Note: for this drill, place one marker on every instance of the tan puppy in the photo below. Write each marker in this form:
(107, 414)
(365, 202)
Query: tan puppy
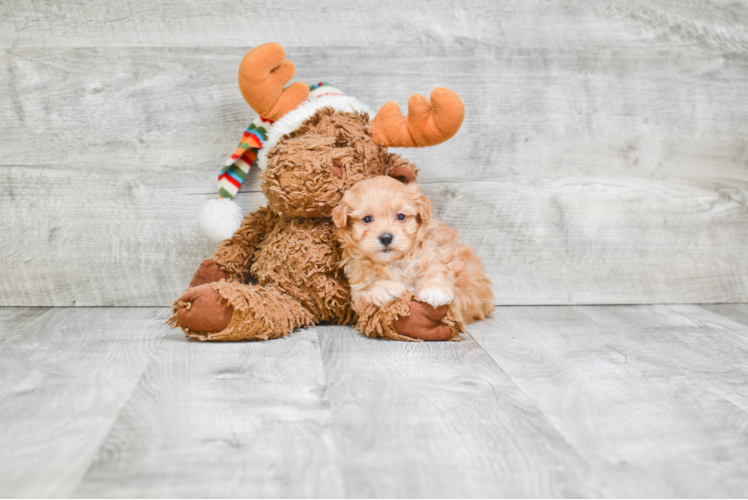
(391, 245)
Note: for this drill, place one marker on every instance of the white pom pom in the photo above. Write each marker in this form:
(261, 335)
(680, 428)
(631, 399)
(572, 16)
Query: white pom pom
(219, 219)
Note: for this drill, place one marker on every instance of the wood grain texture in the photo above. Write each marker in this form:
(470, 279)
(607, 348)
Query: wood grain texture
(439, 420)
(651, 397)
(65, 374)
(387, 23)
(216, 420)
(114, 237)
(701, 346)
(138, 244)
(604, 401)
(602, 159)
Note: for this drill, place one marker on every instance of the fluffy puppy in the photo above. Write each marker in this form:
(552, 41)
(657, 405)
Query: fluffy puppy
(392, 245)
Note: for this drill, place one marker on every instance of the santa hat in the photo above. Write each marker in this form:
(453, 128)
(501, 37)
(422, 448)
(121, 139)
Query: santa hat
(220, 218)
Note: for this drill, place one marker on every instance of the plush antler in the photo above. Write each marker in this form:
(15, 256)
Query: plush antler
(427, 124)
(262, 74)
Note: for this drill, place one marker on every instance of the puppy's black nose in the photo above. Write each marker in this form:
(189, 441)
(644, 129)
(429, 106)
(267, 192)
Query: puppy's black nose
(386, 239)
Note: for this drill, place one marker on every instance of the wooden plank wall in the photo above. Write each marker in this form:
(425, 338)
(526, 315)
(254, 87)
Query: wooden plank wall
(603, 158)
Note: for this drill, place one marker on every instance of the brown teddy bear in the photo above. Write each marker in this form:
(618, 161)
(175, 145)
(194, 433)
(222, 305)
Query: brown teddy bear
(279, 270)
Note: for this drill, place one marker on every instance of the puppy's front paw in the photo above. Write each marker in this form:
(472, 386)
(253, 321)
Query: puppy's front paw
(384, 292)
(436, 296)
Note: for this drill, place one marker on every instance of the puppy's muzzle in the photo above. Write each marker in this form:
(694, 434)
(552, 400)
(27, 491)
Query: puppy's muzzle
(385, 239)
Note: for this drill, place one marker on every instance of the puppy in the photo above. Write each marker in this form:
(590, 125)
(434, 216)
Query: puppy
(391, 245)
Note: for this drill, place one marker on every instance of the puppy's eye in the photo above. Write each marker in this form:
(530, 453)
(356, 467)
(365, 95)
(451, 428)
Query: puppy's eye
(400, 216)
(367, 219)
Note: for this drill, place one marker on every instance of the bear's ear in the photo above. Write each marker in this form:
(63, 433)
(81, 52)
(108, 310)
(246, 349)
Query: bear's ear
(403, 173)
(340, 215)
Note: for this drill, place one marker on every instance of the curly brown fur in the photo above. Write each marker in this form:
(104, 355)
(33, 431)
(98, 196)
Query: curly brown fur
(309, 169)
(235, 254)
(300, 257)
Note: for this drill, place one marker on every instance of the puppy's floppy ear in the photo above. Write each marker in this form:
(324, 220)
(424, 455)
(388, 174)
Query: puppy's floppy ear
(340, 214)
(421, 202)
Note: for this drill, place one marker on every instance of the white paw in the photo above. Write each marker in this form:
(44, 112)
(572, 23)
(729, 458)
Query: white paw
(436, 296)
(384, 292)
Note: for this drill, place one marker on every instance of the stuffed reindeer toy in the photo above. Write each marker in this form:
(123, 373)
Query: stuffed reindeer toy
(278, 268)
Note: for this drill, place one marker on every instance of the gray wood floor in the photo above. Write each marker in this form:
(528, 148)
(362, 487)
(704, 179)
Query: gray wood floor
(613, 401)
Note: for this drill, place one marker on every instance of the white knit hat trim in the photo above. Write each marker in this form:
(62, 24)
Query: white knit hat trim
(293, 119)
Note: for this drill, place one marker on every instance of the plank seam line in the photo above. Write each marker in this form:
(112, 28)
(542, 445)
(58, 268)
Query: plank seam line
(126, 400)
(332, 426)
(529, 400)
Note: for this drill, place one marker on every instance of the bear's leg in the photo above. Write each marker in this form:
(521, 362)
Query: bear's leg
(409, 319)
(235, 311)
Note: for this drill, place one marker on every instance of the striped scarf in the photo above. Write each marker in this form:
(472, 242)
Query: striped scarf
(237, 167)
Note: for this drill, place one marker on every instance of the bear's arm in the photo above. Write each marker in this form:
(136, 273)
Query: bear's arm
(235, 254)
